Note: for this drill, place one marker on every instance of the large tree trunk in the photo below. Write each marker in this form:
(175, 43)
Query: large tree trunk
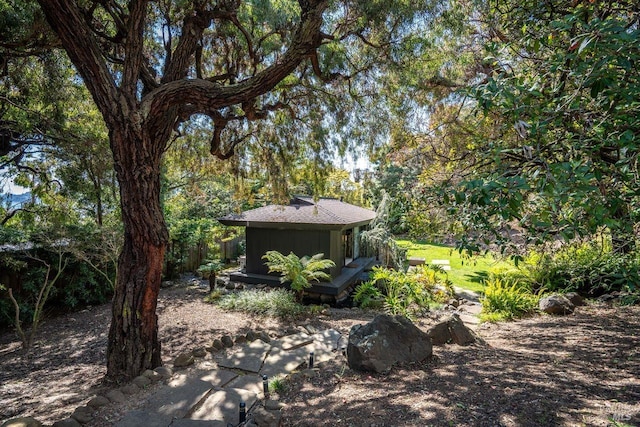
(133, 337)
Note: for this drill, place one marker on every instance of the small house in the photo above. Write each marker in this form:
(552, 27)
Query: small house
(305, 227)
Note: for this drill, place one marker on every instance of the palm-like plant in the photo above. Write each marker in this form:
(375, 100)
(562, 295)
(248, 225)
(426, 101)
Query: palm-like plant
(298, 271)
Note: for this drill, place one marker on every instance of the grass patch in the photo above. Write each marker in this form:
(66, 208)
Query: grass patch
(277, 385)
(277, 303)
(467, 273)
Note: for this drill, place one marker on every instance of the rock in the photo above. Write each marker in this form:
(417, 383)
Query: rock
(141, 381)
(116, 396)
(265, 418)
(454, 303)
(575, 299)
(273, 405)
(227, 341)
(215, 346)
(67, 422)
(184, 359)
(251, 336)
(98, 402)
(130, 389)
(230, 285)
(556, 304)
(311, 329)
(22, 422)
(451, 330)
(264, 337)
(221, 282)
(83, 415)
(239, 286)
(291, 330)
(240, 339)
(199, 352)
(164, 372)
(153, 376)
(607, 298)
(385, 342)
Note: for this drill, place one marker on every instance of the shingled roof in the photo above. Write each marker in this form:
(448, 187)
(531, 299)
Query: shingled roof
(303, 211)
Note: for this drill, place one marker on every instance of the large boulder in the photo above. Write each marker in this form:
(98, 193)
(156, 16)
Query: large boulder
(556, 304)
(386, 341)
(451, 330)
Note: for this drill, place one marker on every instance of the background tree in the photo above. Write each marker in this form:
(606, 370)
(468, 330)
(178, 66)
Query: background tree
(154, 69)
(561, 82)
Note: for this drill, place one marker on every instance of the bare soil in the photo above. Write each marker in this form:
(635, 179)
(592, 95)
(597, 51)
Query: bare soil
(576, 370)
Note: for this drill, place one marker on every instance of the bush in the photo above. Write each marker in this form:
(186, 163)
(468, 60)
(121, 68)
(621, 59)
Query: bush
(507, 299)
(278, 303)
(406, 294)
(591, 269)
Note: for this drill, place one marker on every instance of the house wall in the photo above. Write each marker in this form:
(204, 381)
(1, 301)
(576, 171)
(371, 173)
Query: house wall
(300, 242)
(337, 253)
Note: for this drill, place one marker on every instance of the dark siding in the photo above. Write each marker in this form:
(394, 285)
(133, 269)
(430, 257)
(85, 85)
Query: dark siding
(337, 252)
(300, 242)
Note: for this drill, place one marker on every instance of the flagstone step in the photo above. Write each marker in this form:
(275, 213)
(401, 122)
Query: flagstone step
(223, 405)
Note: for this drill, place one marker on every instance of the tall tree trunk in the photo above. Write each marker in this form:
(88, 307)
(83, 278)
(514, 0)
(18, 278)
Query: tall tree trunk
(133, 337)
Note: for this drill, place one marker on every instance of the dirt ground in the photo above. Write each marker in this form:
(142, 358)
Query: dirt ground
(577, 370)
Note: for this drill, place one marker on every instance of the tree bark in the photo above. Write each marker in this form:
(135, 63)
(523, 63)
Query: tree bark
(140, 124)
(133, 337)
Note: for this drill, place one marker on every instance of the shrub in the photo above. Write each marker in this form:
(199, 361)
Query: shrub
(400, 293)
(590, 269)
(278, 302)
(507, 299)
(367, 295)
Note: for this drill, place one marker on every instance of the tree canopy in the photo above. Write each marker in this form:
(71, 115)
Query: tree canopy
(260, 80)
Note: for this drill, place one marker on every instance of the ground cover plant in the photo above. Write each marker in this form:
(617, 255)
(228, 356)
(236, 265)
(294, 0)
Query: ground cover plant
(280, 303)
(506, 299)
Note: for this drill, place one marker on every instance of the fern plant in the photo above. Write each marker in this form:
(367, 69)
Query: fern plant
(299, 272)
(504, 299)
(367, 295)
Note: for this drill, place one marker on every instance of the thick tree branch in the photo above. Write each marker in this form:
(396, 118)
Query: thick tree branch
(133, 46)
(66, 19)
(204, 95)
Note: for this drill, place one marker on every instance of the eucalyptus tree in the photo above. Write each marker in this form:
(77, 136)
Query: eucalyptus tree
(154, 67)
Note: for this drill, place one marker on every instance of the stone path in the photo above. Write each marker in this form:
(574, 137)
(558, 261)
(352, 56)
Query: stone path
(212, 398)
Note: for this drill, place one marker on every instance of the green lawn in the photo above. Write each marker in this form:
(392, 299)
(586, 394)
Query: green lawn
(466, 273)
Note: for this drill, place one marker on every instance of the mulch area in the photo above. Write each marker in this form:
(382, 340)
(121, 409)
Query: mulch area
(576, 370)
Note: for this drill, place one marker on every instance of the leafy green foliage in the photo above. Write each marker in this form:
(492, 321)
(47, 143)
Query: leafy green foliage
(561, 85)
(299, 272)
(507, 299)
(210, 266)
(400, 293)
(379, 241)
(367, 295)
(278, 303)
(590, 269)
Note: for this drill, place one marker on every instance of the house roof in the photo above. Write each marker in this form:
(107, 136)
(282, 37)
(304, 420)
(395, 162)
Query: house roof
(303, 212)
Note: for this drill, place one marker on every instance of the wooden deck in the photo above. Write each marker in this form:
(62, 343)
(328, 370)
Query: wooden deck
(347, 277)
